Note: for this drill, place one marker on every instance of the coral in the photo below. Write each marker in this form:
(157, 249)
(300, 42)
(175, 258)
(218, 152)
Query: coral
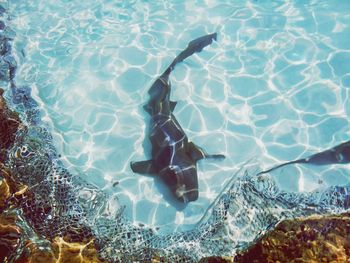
(312, 239)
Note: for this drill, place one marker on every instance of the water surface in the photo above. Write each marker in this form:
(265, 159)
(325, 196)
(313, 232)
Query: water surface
(274, 87)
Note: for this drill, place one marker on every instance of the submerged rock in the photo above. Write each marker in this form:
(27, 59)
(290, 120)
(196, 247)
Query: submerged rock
(59, 251)
(216, 260)
(4, 194)
(9, 125)
(311, 239)
(10, 237)
(8, 64)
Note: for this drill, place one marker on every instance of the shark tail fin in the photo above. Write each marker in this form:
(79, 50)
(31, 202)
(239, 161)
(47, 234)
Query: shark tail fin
(194, 46)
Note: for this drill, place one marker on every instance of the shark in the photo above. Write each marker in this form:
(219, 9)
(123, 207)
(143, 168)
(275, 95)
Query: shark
(339, 154)
(174, 157)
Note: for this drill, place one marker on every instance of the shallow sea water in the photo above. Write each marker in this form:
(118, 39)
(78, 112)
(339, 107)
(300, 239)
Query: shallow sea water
(274, 87)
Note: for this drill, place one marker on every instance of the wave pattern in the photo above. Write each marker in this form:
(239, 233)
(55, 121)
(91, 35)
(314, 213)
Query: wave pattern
(60, 203)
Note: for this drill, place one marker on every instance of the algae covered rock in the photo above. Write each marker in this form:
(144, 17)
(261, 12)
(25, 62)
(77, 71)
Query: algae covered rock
(312, 239)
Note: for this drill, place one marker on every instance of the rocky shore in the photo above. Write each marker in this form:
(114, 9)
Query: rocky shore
(311, 239)
(16, 236)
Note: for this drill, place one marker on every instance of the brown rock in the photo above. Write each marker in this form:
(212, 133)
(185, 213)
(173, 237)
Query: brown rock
(216, 260)
(4, 194)
(60, 251)
(15, 189)
(10, 236)
(32, 253)
(75, 252)
(312, 239)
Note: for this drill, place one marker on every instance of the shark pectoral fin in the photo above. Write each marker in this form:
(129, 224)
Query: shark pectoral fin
(306, 160)
(198, 153)
(143, 167)
(215, 156)
(172, 105)
(195, 151)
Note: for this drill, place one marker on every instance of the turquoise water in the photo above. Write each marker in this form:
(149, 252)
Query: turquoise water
(274, 87)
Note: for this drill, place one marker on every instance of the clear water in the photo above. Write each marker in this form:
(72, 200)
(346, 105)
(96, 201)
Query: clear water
(274, 87)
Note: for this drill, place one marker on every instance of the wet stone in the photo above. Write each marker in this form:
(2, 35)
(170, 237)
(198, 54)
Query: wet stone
(4, 194)
(312, 239)
(59, 251)
(10, 236)
(33, 253)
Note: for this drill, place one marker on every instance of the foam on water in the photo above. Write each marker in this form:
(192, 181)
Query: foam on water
(275, 87)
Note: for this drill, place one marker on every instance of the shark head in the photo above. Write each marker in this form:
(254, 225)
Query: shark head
(183, 182)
